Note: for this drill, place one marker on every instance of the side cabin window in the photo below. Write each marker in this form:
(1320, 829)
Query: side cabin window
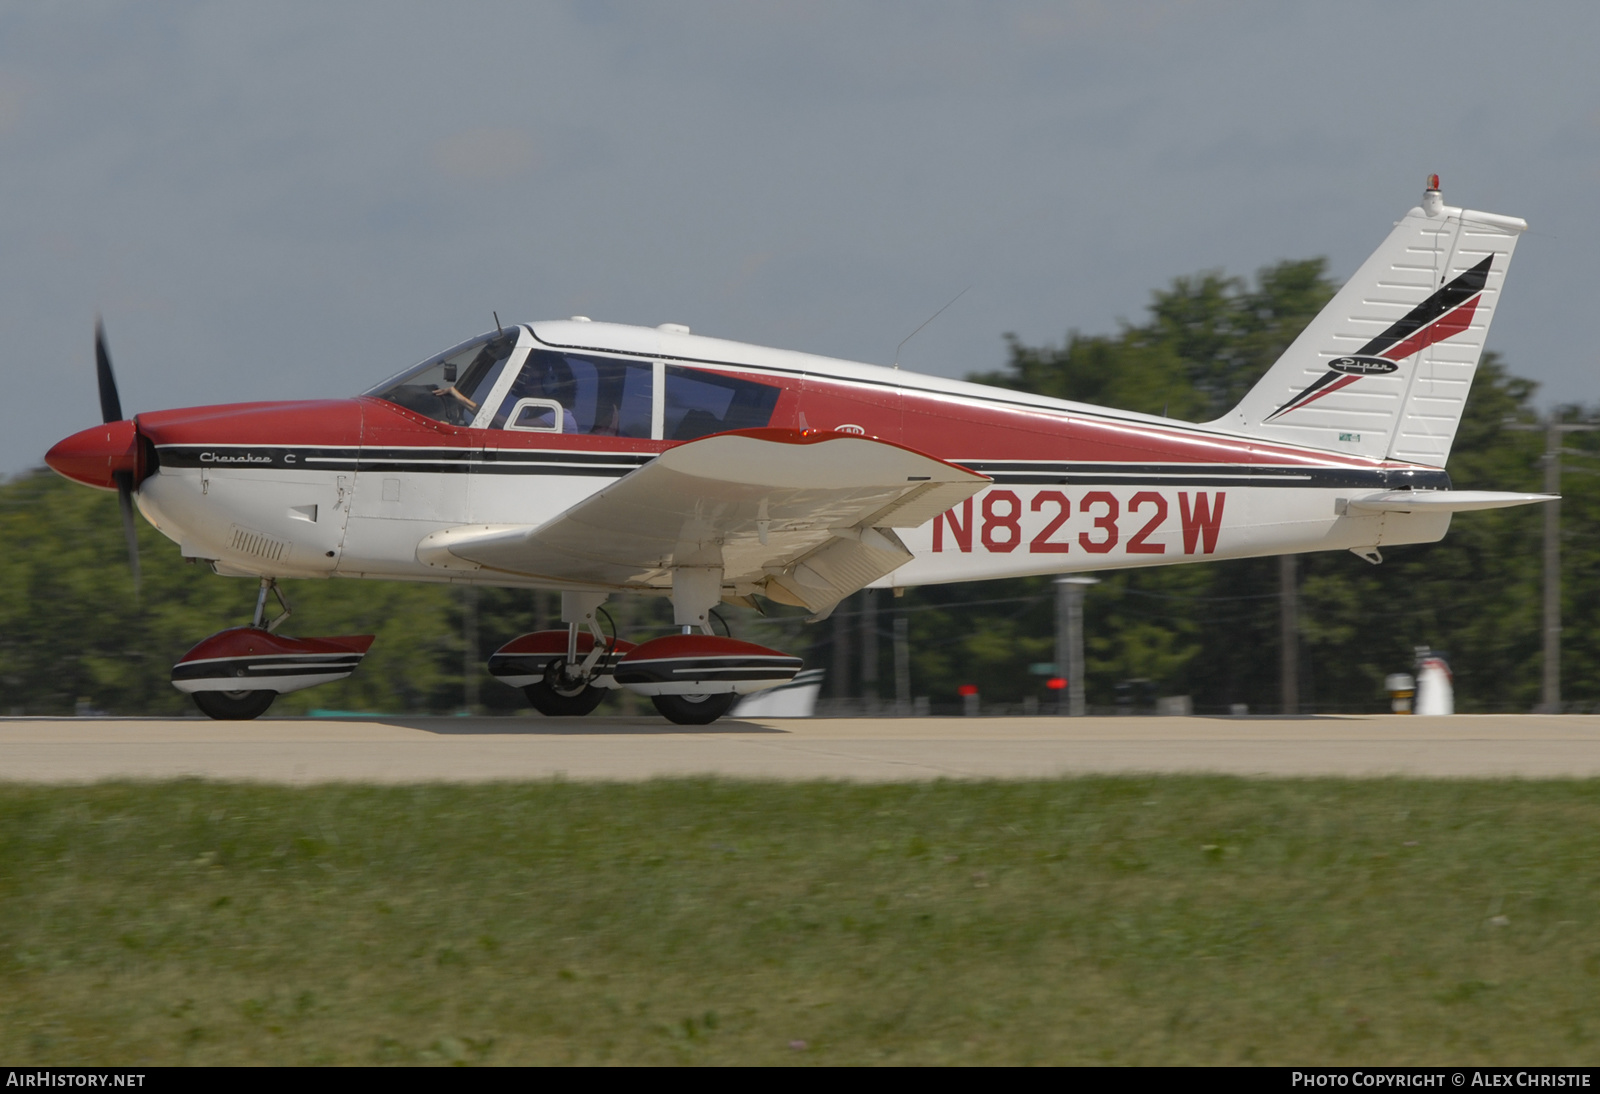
(592, 395)
(701, 403)
(452, 387)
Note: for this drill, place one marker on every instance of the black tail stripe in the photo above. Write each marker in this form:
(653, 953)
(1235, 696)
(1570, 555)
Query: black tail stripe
(1452, 296)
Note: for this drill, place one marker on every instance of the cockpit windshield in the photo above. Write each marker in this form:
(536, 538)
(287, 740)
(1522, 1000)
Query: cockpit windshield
(453, 386)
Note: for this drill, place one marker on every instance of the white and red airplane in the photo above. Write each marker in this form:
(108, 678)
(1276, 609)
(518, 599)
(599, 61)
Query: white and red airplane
(600, 460)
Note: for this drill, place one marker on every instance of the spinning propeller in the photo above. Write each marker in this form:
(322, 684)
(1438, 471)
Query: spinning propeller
(112, 456)
(111, 411)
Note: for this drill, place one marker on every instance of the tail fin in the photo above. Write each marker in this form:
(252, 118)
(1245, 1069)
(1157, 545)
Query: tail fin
(1385, 368)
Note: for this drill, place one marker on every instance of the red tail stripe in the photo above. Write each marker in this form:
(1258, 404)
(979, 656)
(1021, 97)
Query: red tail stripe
(1447, 325)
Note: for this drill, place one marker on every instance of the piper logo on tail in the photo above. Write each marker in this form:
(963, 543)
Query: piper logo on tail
(1363, 366)
(1446, 313)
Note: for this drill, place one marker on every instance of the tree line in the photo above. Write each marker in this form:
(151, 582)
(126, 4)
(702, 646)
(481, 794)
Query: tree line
(74, 636)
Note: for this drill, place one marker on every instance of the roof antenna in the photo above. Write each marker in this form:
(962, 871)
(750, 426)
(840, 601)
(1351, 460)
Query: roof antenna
(497, 325)
(925, 322)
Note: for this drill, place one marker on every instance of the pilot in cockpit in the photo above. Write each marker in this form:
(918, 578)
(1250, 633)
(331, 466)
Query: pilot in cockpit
(449, 391)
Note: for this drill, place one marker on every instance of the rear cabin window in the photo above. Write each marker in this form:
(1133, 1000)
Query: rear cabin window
(596, 395)
(701, 403)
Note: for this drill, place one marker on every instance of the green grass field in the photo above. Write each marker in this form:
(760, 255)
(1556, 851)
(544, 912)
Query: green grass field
(1105, 920)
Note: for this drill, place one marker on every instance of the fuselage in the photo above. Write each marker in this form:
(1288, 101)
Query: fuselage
(350, 487)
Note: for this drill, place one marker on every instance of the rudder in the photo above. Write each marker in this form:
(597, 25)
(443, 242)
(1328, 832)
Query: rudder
(1385, 368)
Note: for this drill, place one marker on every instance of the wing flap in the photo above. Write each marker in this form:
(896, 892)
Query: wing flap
(838, 568)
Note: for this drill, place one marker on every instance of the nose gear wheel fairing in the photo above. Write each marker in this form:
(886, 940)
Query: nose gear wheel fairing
(255, 659)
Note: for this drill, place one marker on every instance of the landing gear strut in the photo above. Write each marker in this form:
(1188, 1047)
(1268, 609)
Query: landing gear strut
(270, 585)
(564, 674)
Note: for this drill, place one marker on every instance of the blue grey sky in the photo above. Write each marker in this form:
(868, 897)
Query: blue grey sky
(295, 200)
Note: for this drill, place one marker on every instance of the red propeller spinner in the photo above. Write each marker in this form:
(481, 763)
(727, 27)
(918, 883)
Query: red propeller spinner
(112, 456)
(97, 456)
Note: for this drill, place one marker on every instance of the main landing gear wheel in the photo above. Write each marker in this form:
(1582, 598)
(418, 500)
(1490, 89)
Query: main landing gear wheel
(234, 706)
(555, 697)
(694, 710)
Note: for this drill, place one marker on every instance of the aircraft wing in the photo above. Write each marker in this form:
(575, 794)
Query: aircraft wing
(802, 518)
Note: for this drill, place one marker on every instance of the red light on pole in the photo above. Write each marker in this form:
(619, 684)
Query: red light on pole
(967, 689)
(1056, 683)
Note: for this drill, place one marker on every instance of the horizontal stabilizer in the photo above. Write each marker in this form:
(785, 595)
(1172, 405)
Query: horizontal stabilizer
(1445, 501)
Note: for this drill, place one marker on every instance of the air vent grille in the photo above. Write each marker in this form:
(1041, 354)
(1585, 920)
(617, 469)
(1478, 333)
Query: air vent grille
(258, 544)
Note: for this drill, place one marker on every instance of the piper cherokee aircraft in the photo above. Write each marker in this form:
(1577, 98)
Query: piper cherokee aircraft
(603, 460)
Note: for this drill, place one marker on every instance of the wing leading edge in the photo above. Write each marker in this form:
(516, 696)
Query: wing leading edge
(802, 518)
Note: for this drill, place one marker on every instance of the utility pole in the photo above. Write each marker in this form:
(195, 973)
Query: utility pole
(1551, 698)
(902, 666)
(1554, 429)
(869, 651)
(1069, 641)
(1289, 633)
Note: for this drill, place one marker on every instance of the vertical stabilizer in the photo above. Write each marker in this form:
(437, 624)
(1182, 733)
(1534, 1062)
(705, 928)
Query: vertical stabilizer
(1385, 368)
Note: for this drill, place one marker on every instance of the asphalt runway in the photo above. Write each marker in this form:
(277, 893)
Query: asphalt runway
(403, 750)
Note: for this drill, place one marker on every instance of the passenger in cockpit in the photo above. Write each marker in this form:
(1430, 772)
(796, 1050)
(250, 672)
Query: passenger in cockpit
(607, 420)
(544, 376)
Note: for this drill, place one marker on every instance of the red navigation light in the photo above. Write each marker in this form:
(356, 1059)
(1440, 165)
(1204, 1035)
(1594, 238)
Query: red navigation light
(967, 689)
(1055, 683)
(1433, 182)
